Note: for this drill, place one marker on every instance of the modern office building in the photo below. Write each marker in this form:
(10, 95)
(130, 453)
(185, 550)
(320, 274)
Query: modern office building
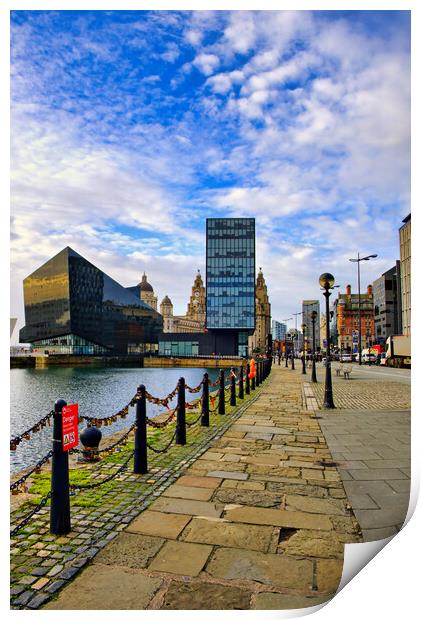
(310, 305)
(230, 283)
(72, 307)
(405, 266)
(278, 330)
(387, 304)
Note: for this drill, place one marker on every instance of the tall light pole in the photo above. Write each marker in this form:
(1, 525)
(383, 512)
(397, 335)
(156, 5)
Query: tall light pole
(358, 260)
(327, 281)
(313, 370)
(303, 359)
(293, 336)
(296, 330)
(286, 348)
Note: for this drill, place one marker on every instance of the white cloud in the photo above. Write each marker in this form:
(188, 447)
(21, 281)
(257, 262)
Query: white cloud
(240, 34)
(206, 63)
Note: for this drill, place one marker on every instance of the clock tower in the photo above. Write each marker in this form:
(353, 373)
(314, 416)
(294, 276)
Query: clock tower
(196, 307)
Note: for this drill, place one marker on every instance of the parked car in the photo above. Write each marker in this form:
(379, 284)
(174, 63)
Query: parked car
(346, 357)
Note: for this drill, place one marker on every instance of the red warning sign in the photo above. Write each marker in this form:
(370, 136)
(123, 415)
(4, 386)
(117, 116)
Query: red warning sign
(70, 417)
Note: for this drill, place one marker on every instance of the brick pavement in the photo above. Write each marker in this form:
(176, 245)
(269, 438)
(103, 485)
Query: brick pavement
(369, 437)
(259, 521)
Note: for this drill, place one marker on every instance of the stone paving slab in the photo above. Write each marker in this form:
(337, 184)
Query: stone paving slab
(177, 490)
(282, 518)
(224, 534)
(181, 558)
(163, 524)
(270, 569)
(119, 588)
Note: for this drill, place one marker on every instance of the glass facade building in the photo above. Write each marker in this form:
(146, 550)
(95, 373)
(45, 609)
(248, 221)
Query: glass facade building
(72, 307)
(310, 305)
(230, 274)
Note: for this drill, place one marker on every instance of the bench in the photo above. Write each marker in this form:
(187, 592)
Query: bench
(347, 371)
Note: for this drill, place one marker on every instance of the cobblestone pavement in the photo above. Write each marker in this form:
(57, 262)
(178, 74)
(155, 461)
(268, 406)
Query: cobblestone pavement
(369, 437)
(42, 563)
(363, 393)
(258, 521)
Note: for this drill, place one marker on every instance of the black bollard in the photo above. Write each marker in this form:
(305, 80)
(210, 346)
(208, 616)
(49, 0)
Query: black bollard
(233, 400)
(221, 393)
(257, 373)
(248, 379)
(180, 437)
(205, 401)
(140, 438)
(60, 500)
(90, 439)
(241, 384)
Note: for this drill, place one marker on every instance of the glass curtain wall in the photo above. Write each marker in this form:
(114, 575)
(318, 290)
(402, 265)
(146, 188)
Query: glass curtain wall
(230, 273)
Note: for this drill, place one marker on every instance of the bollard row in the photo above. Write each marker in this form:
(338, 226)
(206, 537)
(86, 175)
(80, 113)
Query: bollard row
(256, 373)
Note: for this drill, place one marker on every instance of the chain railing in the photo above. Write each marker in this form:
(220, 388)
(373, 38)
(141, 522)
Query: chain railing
(16, 486)
(62, 489)
(26, 435)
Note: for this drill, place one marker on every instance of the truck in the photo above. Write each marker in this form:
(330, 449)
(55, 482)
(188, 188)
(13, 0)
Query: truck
(369, 356)
(398, 351)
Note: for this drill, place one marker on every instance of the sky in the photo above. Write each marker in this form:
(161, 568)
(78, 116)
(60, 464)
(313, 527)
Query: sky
(130, 128)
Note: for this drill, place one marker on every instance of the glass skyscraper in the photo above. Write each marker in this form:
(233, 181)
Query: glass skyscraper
(230, 275)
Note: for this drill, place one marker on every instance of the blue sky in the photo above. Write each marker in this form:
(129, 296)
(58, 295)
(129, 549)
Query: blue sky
(129, 128)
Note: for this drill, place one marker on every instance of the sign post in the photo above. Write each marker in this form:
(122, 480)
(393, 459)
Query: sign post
(70, 417)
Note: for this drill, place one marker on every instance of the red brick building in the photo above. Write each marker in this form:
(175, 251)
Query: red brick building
(347, 319)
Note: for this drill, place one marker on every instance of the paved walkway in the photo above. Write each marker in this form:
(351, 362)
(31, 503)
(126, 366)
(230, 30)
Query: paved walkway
(369, 436)
(372, 450)
(259, 521)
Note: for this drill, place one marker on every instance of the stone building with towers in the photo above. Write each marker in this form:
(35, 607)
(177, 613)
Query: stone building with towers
(259, 340)
(194, 319)
(145, 292)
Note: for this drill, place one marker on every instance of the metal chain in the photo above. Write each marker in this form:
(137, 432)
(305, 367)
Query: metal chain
(195, 422)
(92, 485)
(164, 423)
(44, 460)
(161, 401)
(107, 421)
(196, 389)
(31, 514)
(166, 447)
(15, 441)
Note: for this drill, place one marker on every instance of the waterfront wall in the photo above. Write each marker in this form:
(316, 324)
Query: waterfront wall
(41, 361)
(195, 362)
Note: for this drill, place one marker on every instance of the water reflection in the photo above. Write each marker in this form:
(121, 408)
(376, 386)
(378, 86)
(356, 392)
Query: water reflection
(100, 392)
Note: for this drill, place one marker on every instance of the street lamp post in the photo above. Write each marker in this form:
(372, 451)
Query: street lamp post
(313, 369)
(327, 281)
(358, 260)
(303, 359)
(292, 356)
(285, 340)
